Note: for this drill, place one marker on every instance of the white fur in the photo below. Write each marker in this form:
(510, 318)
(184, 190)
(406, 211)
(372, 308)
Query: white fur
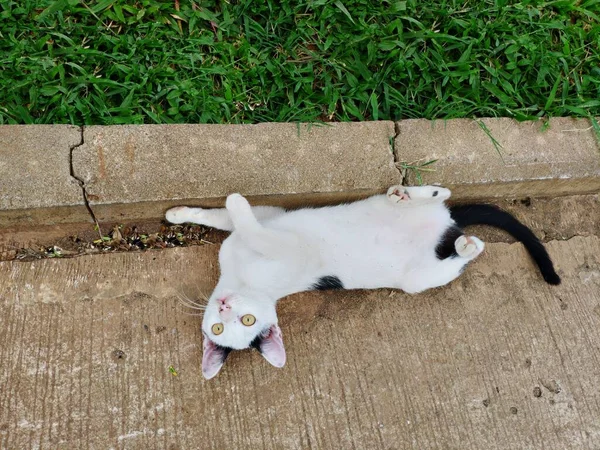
(383, 241)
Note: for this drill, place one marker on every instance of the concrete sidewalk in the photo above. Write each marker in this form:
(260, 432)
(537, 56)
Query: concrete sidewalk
(496, 360)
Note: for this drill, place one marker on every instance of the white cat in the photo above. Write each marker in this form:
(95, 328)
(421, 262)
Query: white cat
(407, 239)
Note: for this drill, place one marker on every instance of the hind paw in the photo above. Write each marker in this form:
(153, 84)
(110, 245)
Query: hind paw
(397, 194)
(417, 194)
(468, 247)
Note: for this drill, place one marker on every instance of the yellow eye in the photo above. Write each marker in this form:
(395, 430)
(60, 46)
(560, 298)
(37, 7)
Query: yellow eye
(217, 329)
(248, 320)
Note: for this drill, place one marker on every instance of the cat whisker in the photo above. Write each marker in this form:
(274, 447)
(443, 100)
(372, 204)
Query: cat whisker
(189, 303)
(192, 306)
(203, 296)
(192, 314)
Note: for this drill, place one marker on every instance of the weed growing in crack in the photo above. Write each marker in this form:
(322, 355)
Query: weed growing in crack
(415, 169)
(121, 239)
(497, 145)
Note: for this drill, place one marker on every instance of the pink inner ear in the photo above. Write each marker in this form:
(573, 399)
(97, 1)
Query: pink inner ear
(213, 358)
(271, 347)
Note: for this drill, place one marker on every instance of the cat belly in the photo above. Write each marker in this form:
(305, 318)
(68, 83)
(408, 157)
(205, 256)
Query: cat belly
(378, 262)
(369, 244)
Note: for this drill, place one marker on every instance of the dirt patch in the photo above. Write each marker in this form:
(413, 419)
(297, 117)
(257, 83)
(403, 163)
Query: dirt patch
(83, 239)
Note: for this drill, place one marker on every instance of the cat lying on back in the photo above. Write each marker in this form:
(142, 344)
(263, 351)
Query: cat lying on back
(407, 239)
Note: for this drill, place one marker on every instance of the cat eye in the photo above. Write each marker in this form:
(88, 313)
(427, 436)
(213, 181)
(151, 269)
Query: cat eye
(435, 193)
(217, 329)
(248, 320)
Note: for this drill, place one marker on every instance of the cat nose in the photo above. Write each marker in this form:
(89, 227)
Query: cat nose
(226, 314)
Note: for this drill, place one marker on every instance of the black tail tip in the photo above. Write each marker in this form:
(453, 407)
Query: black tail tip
(552, 278)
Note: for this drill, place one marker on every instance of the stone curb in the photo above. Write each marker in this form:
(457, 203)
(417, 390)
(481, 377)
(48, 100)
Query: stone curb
(36, 186)
(137, 172)
(491, 158)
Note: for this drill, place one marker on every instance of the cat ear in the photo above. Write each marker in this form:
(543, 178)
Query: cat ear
(271, 347)
(213, 357)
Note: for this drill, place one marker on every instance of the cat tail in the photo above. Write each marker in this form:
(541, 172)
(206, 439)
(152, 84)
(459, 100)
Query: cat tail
(465, 215)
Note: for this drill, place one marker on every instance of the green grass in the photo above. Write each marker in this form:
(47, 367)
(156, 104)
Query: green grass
(112, 61)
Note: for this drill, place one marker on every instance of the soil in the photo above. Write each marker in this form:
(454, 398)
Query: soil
(82, 239)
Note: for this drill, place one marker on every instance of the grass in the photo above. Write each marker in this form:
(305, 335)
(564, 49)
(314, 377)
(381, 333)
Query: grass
(416, 168)
(497, 145)
(244, 61)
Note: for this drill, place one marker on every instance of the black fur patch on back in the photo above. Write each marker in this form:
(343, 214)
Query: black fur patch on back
(326, 283)
(445, 248)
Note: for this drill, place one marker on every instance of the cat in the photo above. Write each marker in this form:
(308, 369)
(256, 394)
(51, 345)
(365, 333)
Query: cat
(406, 239)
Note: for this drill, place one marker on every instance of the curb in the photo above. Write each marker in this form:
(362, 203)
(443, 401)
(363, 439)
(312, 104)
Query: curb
(36, 186)
(53, 174)
(493, 158)
(136, 172)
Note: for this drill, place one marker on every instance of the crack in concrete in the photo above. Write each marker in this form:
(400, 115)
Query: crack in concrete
(546, 241)
(510, 240)
(397, 163)
(81, 182)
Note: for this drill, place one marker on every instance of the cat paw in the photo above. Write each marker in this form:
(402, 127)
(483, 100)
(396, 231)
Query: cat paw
(418, 194)
(398, 193)
(237, 202)
(177, 215)
(468, 247)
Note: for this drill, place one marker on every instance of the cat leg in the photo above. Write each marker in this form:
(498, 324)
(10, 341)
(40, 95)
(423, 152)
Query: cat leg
(416, 195)
(217, 217)
(266, 241)
(444, 271)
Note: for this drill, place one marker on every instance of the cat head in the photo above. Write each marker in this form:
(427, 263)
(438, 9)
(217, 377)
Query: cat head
(236, 321)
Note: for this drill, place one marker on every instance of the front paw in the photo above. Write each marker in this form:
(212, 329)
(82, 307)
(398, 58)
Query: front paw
(398, 194)
(237, 203)
(178, 214)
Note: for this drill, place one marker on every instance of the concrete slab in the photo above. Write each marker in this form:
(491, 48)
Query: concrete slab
(139, 171)
(530, 160)
(496, 360)
(35, 181)
(549, 218)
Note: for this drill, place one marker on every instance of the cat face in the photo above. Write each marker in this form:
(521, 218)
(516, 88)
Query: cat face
(233, 321)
